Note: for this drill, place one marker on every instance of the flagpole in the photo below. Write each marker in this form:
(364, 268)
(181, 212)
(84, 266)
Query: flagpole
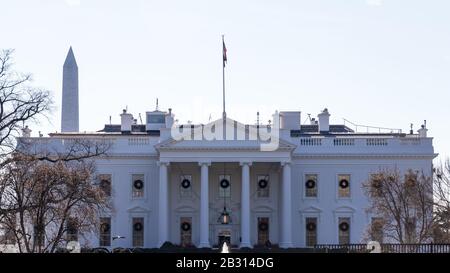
(224, 114)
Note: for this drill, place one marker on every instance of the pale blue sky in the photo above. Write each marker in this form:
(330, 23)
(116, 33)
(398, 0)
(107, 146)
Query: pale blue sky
(376, 62)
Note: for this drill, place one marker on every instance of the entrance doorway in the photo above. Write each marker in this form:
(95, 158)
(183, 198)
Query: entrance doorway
(263, 230)
(224, 236)
(186, 231)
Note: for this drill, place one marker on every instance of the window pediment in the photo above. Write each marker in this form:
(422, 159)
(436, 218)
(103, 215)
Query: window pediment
(345, 209)
(185, 209)
(310, 210)
(138, 209)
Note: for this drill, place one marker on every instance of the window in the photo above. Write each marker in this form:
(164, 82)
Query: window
(105, 231)
(410, 183)
(410, 230)
(185, 186)
(138, 232)
(344, 186)
(263, 186)
(311, 185)
(376, 183)
(376, 229)
(311, 231)
(224, 186)
(39, 234)
(105, 183)
(137, 181)
(8, 229)
(72, 229)
(157, 119)
(344, 230)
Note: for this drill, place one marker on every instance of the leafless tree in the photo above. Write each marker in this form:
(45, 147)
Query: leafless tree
(403, 205)
(19, 102)
(441, 192)
(48, 198)
(47, 186)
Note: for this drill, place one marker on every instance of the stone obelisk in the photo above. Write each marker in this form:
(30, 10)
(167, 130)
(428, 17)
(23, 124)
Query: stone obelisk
(69, 109)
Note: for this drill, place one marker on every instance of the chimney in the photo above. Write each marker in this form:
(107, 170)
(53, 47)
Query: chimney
(26, 132)
(290, 120)
(423, 129)
(324, 121)
(126, 121)
(169, 119)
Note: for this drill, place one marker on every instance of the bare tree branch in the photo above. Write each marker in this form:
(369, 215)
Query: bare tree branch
(40, 197)
(19, 103)
(404, 203)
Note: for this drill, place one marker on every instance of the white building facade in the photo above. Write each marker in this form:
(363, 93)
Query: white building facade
(198, 191)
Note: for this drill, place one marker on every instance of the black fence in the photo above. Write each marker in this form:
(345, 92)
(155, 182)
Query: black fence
(387, 248)
(320, 248)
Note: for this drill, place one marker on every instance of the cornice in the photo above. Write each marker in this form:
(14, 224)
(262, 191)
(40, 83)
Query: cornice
(364, 156)
(218, 148)
(130, 156)
(170, 145)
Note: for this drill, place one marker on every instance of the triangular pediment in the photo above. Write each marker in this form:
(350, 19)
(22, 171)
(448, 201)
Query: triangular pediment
(236, 136)
(172, 144)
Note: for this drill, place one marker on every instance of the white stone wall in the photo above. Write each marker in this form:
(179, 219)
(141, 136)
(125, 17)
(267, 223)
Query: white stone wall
(325, 157)
(327, 207)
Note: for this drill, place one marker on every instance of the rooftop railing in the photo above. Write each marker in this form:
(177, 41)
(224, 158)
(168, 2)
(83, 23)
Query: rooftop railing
(359, 141)
(347, 143)
(350, 144)
(358, 128)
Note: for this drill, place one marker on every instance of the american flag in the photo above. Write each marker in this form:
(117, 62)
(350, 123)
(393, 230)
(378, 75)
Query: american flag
(224, 53)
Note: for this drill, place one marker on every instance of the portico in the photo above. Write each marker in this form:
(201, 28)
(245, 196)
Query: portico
(206, 164)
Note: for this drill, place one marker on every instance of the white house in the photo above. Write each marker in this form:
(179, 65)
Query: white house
(287, 183)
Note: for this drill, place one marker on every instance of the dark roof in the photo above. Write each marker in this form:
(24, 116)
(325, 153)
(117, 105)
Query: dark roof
(110, 128)
(135, 128)
(314, 128)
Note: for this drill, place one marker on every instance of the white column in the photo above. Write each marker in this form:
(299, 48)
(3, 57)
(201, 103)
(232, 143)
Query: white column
(286, 207)
(163, 221)
(245, 205)
(204, 205)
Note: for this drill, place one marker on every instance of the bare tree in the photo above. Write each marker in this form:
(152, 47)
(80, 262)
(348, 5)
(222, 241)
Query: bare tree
(402, 204)
(19, 102)
(48, 192)
(50, 198)
(441, 192)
